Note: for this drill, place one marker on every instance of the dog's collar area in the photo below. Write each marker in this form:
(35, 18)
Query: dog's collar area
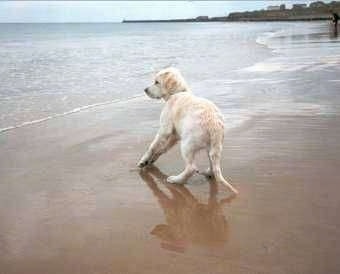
(166, 98)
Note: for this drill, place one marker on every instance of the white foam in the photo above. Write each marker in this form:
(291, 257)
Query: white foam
(265, 37)
(78, 109)
(282, 64)
(296, 54)
(276, 66)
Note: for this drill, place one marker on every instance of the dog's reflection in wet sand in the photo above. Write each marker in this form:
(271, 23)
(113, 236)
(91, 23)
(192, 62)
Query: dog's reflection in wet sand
(187, 220)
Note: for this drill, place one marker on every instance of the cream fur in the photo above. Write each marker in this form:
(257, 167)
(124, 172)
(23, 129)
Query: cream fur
(195, 121)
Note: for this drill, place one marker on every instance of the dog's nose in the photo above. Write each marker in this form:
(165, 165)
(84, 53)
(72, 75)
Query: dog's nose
(146, 90)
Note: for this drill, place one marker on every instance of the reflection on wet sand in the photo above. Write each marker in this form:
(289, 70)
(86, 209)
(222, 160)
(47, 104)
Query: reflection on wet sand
(187, 220)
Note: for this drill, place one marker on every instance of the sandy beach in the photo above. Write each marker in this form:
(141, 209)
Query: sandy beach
(72, 200)
(74, 122)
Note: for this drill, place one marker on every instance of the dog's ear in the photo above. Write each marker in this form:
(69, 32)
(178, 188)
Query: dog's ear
(170, 81)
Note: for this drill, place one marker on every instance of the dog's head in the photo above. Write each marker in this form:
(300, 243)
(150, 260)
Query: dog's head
(167, 82)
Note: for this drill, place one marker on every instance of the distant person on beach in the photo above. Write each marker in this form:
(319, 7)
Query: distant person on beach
(335, 19)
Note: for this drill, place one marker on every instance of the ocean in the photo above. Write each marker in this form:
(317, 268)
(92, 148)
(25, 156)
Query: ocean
(53, 70)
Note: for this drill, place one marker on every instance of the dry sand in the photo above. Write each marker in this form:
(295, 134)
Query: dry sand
(72, 200)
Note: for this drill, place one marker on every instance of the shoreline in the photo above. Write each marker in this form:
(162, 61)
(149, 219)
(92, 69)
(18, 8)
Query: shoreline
(75, 110)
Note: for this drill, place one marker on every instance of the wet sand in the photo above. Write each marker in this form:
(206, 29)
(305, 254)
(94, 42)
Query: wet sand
(72, 200)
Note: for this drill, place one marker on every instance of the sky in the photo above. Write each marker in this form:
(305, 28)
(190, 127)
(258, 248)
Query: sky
(116, 11)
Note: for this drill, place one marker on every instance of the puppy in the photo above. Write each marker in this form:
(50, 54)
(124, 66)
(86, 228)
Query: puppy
(195, 121)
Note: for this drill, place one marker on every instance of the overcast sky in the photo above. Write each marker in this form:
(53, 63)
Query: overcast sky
(116, 11)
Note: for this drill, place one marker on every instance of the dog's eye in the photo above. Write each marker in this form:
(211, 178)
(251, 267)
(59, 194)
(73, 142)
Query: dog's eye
(156, 82)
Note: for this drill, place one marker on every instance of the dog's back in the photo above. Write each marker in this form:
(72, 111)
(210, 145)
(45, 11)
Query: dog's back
(195, 116)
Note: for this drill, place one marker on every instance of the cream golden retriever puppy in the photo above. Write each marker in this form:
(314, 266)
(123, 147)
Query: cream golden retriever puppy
(195, 121)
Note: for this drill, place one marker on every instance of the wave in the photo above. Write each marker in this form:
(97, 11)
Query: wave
(75, 110)
(267, 37)
(263, 38)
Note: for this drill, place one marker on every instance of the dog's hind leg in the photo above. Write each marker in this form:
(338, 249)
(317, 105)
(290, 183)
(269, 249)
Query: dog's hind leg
(209, 171)
(188, 151)
(215, 152)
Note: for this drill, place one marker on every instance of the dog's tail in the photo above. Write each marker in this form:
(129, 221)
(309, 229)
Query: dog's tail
(215, 153)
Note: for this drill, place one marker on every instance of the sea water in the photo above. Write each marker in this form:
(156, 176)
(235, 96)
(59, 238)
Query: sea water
(53, 70)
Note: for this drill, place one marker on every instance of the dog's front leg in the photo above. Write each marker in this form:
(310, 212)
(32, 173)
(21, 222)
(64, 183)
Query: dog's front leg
(154, 149)
(164, 147)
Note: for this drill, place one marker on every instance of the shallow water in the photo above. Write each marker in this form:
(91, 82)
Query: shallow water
(49, 70)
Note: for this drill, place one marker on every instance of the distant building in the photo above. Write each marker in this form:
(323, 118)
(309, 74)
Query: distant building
(334, 3)
(317, 4)
(273, 8)
(282, 7)
(202, 18)
(299, 6)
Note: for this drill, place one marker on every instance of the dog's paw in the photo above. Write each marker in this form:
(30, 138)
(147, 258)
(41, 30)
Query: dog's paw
(208, 173)
(174, 180)
(143, 163)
